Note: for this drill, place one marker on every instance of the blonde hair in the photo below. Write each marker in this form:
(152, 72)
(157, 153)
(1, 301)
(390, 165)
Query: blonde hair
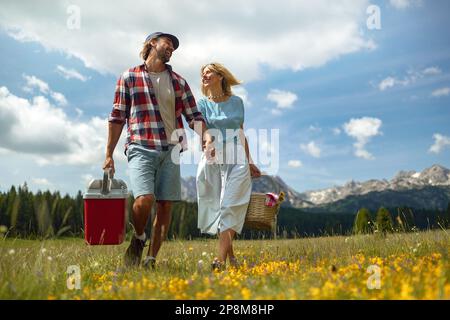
(228, 79)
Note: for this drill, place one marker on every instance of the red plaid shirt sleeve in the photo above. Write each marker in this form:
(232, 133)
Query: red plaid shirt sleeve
(122, 102)
(190, 110)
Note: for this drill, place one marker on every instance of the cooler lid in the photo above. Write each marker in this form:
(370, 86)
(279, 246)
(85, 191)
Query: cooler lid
(108, 188)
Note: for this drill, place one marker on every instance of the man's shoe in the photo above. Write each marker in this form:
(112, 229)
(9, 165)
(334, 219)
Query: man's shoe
(133, 254)
(149, 263)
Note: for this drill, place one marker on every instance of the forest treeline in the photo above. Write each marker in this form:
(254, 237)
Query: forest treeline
(49, 214)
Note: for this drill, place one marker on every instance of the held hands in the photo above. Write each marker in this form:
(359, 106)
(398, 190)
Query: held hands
(109, 163)
(210, 151)
(254, 171)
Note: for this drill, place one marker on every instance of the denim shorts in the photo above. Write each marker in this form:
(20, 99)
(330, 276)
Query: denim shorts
(154, 172)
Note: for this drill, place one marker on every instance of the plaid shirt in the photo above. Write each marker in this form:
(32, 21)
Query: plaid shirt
(135, 102)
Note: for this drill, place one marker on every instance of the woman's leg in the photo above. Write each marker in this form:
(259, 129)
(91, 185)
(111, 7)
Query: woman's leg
(232, 258)
(226, 245)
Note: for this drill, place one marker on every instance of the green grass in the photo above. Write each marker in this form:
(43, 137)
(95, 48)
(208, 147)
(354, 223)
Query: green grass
(274, 269)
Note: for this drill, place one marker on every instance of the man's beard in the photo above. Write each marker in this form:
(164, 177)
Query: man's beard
(162, 56)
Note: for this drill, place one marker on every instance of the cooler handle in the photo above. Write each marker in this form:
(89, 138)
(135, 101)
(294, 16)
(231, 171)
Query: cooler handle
(107, 181)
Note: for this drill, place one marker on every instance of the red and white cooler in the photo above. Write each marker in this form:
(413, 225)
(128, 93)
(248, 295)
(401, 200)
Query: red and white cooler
(105, 211)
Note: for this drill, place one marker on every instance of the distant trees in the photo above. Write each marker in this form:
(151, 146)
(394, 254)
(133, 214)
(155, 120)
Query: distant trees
(45, 214)
(384, 223)
(41, 215)
(405, 220)
(447, 215)
(444, 219)
(363, 223)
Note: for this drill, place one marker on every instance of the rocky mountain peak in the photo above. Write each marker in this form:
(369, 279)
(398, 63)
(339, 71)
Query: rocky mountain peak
(436, 175)
(403, 174)
(351, 184)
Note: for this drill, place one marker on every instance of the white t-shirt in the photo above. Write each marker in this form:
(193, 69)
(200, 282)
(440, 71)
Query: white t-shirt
(163, 87)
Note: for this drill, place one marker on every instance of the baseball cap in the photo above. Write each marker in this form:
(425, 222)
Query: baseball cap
(174, 39)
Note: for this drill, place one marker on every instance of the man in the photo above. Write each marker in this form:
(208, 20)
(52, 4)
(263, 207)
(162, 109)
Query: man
(151, 98)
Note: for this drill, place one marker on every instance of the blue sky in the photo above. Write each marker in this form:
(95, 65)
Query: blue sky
(349, 102)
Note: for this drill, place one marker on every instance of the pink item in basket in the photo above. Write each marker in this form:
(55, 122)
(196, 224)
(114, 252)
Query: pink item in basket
(271, 199)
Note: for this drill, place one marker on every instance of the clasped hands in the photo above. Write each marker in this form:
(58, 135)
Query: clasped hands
(210, 154)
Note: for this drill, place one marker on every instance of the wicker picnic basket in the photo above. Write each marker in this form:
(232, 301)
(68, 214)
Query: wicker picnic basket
(259, 216)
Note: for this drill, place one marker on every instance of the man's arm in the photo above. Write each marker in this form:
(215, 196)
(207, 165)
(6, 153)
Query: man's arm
(194, 117)
(114, 131)
(117, 119)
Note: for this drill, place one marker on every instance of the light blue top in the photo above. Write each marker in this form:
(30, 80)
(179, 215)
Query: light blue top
(223, 115)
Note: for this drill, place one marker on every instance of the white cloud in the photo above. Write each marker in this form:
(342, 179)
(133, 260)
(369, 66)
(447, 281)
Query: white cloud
(42, 182)
(86, 178)
(283, 99)
(4, 152)
(295, 163)
(440, 142)
(390, 82)
(363, 129)
(59, 98)
(386, 83)
(336, 131)
(40, 129)
(276, 112)
(240, 91)
(400, 4)
(79, 112)
(34, 82)
(236, 33)
(70, 73)
(410, 77)
(403, 4)
(431, 71)
(313, 128)
(311, 149)
(441, 92)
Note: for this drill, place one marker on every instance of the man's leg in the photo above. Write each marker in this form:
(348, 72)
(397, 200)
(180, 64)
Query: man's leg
(168, 189)
(142, 164)
(141, 211)
(160, 226)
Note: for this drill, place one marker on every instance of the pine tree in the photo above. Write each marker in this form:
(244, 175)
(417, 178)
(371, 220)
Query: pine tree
(446, 219)
(384, 221)
(2, 209)
(362, 222)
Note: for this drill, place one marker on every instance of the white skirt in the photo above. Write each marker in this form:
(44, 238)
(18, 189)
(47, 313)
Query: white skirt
(223, 194)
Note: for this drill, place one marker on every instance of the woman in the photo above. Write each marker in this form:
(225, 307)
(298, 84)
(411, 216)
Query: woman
(223, 175)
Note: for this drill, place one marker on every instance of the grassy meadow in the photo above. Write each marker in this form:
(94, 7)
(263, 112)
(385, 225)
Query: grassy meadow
(399, 266)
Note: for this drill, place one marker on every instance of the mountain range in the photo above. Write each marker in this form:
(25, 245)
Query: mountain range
(428, 189)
